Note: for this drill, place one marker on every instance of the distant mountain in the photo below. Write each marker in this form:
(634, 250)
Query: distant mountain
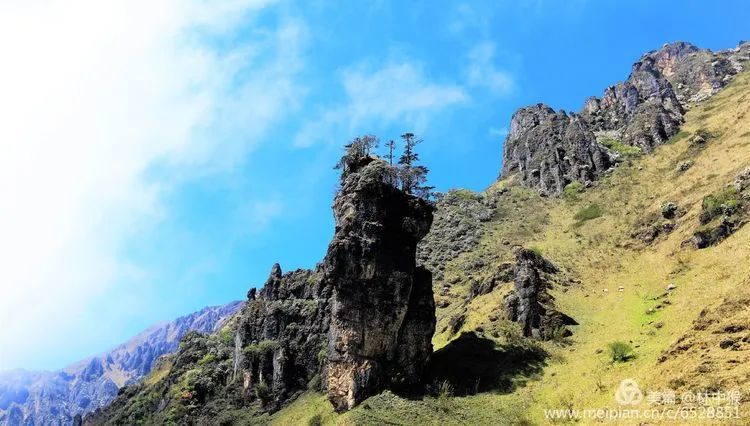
(55, 398)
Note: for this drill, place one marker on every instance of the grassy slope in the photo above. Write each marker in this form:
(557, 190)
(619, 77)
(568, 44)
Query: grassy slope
(601, 254)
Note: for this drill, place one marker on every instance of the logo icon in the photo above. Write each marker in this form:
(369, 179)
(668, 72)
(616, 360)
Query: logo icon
(628, 393)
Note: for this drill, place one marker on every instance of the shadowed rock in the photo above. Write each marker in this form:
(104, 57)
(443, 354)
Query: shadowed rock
(530, 304)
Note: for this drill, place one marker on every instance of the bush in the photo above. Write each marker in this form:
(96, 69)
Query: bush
(572, 190)
(226, 335)
(261, 348)
(263, 392)
(678, 137)
(464, 195)
(621, 351)
(207, 359)
(724, 202)
(587, 213)
(620, 148)
(315, 420)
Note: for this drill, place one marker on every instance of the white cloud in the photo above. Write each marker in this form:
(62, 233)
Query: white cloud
(255, 216)
(398, 92)
(500, 133)
(481, 71)
(94, 95)
(464, 17)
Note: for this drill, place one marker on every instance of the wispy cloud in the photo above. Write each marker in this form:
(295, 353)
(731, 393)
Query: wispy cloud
(500, 133)
(398, 92)
(255, 216)
(106, 106)
(465, 17)
(481, 70)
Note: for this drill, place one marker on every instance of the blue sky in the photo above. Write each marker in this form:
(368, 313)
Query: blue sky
(152, 172)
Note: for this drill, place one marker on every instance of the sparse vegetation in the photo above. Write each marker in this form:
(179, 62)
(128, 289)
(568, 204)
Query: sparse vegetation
(316, 420)
(724, 202)
(679, 136)
(620, 148)
(571, 190)
(261, 348)
(207, 359)
(406, 175)
(621, 351)
(445, 392)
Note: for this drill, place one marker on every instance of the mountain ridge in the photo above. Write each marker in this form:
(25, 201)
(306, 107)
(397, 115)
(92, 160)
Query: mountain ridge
(548, 150)
(56, 397)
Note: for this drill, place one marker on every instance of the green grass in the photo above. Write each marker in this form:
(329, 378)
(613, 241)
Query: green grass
(679, 136)
(620, 148)
(725, 201)
(590, 212)
(571, 190)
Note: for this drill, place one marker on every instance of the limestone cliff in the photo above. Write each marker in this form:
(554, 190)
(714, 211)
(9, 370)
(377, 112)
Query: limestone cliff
(382, 309)
(548, 150)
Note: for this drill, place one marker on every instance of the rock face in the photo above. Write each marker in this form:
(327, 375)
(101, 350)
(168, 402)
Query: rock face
(549, 149)
(457, 228)
(382, 307)
(694, 73)
(642, 111)
(364, 319)
(530, 304)
(281, 334)
(55, 398)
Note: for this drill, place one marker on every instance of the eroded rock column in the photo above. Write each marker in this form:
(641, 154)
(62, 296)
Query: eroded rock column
(382, 309)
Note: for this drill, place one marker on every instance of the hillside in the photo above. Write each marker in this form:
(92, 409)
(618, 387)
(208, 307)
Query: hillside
(622, 225)
(690, 338)
(46, 397)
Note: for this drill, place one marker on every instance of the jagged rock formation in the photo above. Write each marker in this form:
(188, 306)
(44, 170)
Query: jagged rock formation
(382, 309)
(56, 398)
(549, 150)
(642, 111)
(281, 335)
(530, 303)
(360, 322)
(696, 74)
